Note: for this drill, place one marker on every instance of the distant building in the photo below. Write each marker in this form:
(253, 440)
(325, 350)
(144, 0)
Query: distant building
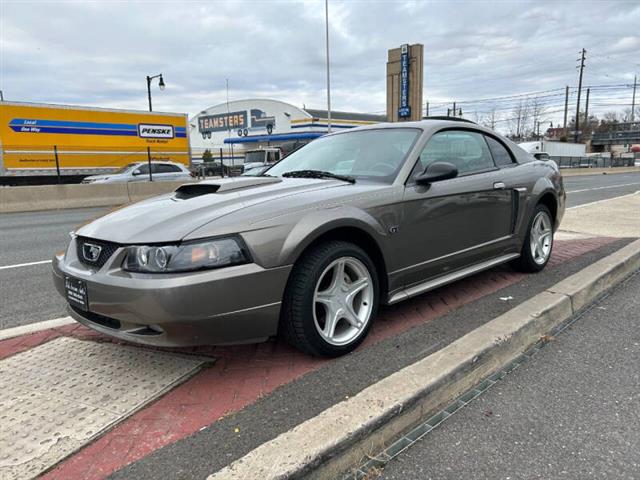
(228, 130)
(619, 138)
(555, 133)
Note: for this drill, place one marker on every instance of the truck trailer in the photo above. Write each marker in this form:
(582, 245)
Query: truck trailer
(555, 149)
(44, 143)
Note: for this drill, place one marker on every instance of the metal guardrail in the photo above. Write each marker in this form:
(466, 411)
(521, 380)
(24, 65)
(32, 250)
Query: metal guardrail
(595, 162)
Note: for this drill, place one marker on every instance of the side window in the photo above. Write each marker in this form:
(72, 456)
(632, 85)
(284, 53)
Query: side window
(168, 168)
(144, 169)
(468, 151)
(501, 155)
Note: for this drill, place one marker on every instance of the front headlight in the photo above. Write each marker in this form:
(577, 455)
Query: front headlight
(203, 254)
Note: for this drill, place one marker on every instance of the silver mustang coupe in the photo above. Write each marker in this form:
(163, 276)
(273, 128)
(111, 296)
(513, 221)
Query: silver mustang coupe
(310, 248)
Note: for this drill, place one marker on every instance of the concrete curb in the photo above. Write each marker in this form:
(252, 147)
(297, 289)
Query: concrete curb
(337, 439)
(54, 197)
(574, 172)
(13, 332)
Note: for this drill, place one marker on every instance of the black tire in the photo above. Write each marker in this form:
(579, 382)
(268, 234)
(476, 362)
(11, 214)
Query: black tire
(297, 325)
(526, 263)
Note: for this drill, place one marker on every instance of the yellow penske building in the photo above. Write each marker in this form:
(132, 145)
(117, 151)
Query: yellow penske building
(42, 139)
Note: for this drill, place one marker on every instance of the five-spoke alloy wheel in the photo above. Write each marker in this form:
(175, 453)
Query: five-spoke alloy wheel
(330, 300)
(536, 249)
(343, 300)
(541, 237)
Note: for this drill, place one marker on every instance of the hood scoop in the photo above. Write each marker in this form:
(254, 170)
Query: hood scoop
(192, 190)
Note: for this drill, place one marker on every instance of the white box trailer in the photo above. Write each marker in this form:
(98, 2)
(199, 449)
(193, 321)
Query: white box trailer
(555, 149)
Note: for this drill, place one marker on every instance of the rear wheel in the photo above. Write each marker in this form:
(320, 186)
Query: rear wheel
(331, 299)
(536, 249)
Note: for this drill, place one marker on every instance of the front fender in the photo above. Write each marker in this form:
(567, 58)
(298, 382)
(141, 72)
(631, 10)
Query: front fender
(544, 186)
(313, 226)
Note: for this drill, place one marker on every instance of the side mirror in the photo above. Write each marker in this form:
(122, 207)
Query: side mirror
(437, 171)
(136, 172)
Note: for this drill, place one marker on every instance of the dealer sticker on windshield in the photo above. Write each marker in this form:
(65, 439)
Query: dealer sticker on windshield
(76, 293)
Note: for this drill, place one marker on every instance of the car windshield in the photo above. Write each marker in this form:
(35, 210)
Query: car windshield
(254, 156)
(125, 168)
(375, 155)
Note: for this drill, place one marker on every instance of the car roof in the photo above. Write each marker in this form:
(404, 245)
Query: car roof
(158, 161)
(429, 123)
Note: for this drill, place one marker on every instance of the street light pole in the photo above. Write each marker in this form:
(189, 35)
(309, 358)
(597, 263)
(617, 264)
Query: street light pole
(326, 21)
(160, 84)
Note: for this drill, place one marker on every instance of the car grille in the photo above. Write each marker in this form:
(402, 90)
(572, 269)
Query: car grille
(107, 249)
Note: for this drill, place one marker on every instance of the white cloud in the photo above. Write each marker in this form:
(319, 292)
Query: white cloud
(99, 52)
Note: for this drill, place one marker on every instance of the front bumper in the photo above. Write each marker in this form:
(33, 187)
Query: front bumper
(227, 305)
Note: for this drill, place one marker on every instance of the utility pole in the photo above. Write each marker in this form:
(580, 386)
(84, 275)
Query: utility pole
(326, 22)
(566, 108)
(454, 109)
(576, 135)
(427, 111)
(586, 110)
(633, 99)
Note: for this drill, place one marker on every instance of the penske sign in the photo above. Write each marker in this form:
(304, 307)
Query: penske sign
(146, 130)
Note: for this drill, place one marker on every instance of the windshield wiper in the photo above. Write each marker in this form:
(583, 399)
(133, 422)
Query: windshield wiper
(318, 174)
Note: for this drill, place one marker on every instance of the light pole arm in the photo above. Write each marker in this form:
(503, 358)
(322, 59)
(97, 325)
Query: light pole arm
(149, 79)
(149, 91)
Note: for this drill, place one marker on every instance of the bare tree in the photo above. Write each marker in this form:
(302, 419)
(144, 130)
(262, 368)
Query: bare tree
(611, 117)
(521, 119)
(491, 117)
(538, 114)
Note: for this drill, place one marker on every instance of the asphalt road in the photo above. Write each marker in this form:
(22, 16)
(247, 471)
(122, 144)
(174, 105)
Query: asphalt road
(26, 291)
(571, 412)
(27, 295)
(591, 188)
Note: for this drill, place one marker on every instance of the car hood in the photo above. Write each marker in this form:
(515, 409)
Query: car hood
(171, 217)
(98, 177)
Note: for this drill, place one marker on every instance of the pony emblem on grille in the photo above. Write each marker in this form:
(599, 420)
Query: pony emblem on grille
(91, 252)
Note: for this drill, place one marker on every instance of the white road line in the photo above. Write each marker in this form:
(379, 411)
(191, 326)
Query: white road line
(18, 265)
(605, 200)
(602, 188)
(34, 327)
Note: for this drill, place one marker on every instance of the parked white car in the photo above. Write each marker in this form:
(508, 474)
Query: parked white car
(139, 172)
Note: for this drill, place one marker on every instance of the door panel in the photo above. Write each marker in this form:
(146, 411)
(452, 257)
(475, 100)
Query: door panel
(453, 223)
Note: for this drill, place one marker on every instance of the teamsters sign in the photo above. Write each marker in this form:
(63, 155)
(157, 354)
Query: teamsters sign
(222, 121)
(405, 109)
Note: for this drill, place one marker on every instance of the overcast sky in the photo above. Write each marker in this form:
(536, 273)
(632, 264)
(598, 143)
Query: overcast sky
(99, 52)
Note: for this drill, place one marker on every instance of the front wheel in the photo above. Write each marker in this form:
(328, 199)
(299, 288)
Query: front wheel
(537, 246)
(330, 300)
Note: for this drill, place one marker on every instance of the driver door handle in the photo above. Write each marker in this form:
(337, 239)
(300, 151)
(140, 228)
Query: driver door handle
(499, 185)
